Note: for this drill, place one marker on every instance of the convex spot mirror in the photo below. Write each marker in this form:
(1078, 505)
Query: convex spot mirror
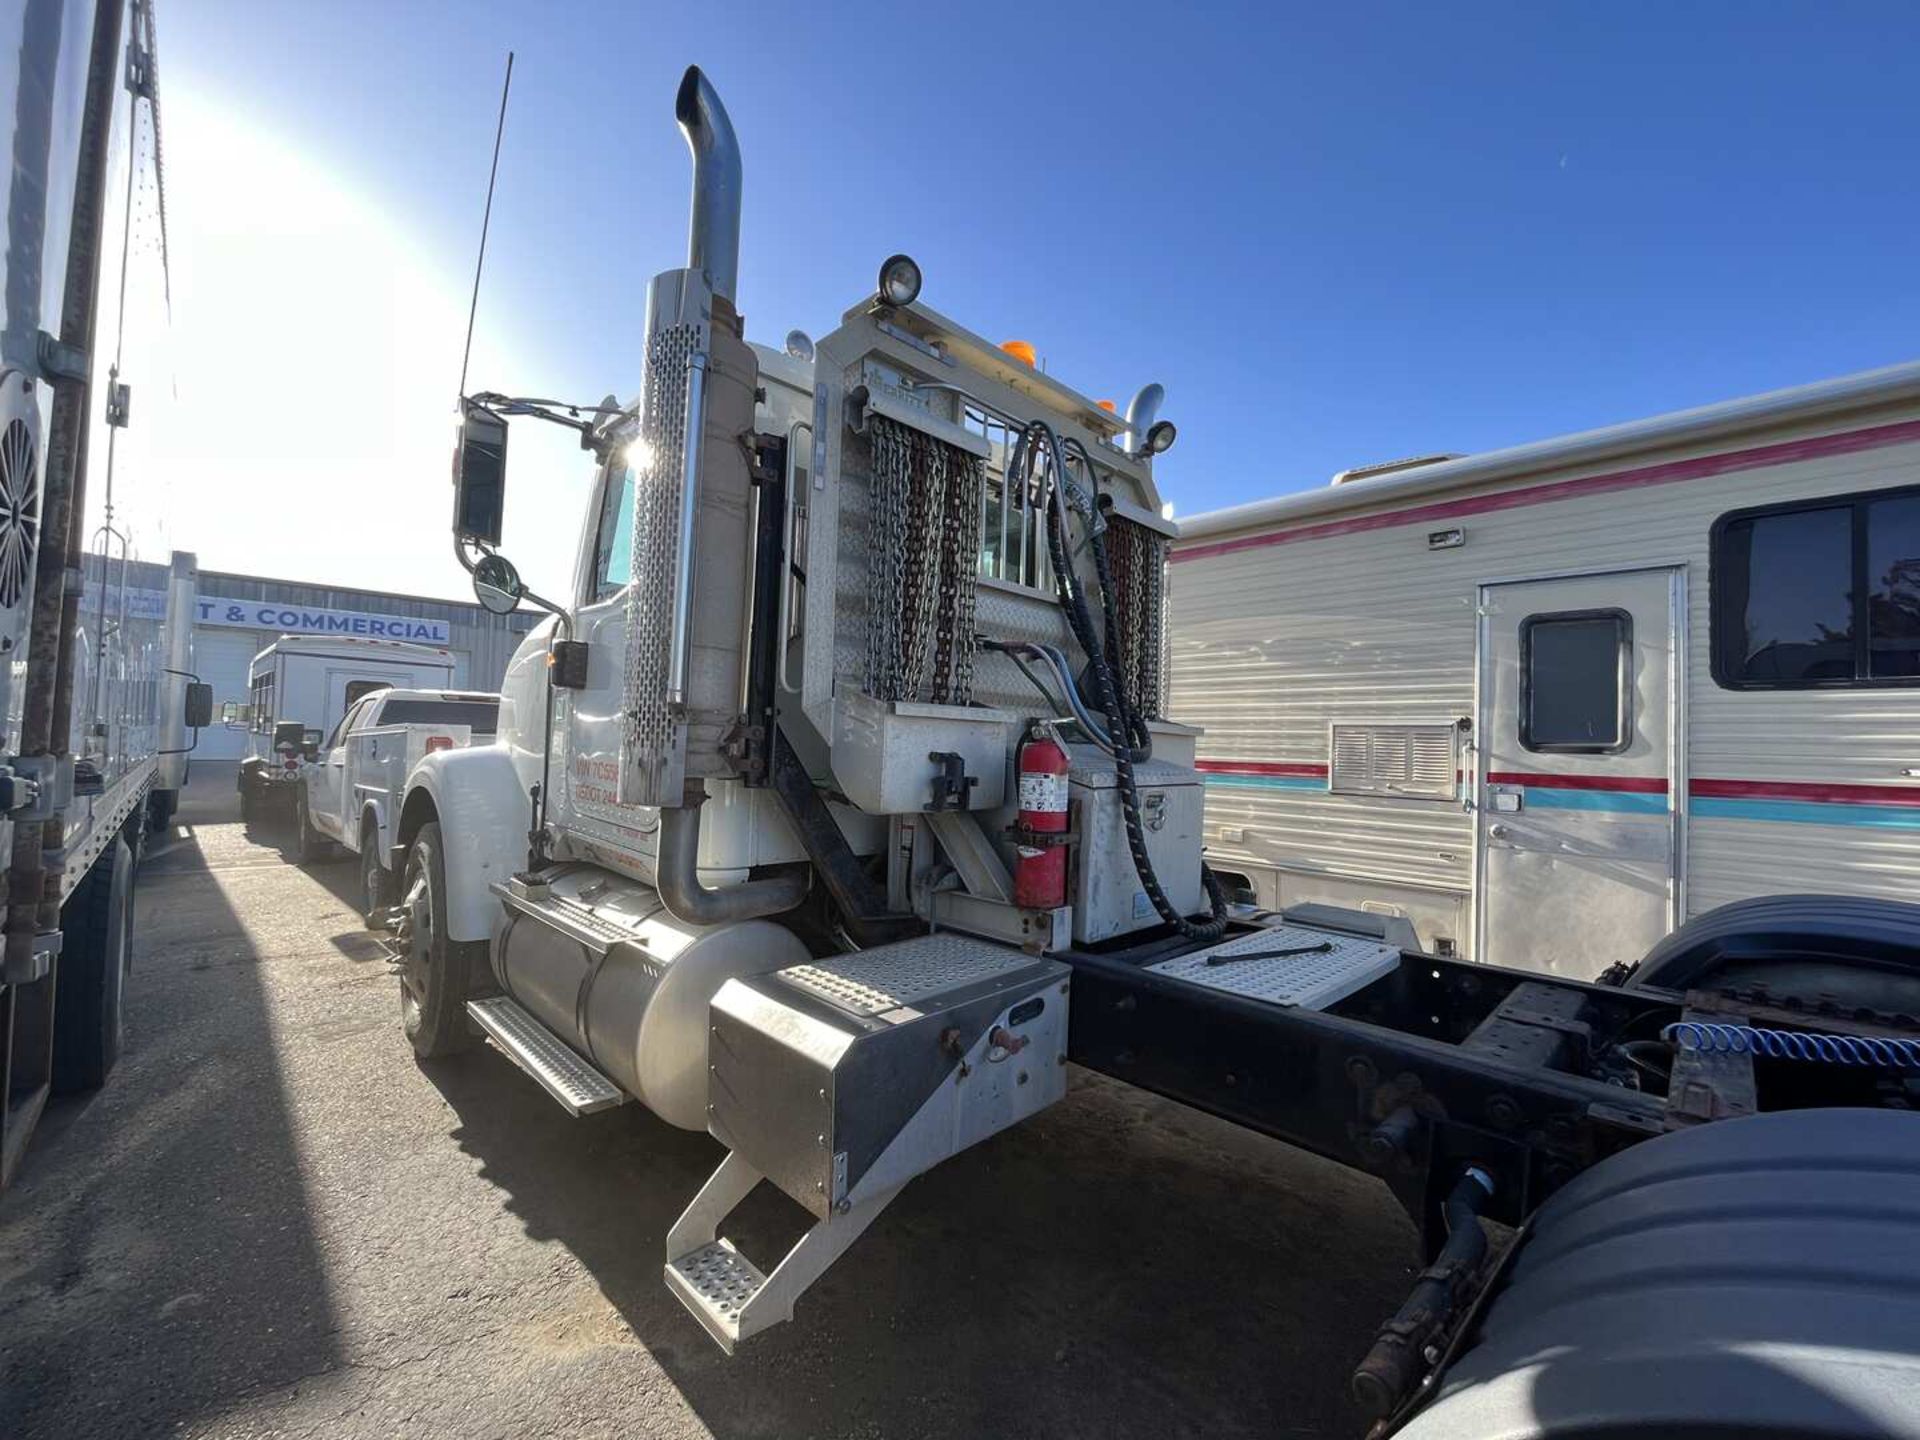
(497, 585)
(480, 475)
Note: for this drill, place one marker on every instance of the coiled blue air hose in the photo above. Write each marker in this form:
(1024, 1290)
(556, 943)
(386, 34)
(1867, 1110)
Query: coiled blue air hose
(1717, 1039)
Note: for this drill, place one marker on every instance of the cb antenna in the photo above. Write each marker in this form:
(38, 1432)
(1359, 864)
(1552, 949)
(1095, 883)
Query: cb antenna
(486, 220)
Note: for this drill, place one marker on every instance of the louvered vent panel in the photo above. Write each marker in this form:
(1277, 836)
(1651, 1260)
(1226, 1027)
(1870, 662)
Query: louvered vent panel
(1416, 762)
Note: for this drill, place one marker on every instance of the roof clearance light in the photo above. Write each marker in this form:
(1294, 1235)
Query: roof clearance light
(1023, 351)
(1108, 406)
(899, 280)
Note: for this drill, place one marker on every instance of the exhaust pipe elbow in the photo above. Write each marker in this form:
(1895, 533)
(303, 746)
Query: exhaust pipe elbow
(1142, 411)
(677, 878)
(713, 231)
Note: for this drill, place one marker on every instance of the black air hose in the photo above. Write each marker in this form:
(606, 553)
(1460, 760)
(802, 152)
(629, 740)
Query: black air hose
(1113, 701)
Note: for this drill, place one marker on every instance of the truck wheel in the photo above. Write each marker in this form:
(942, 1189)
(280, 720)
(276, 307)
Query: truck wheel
(1741, 1278)
(435, 977)
(310, 847)
(161, 805)
(249, 803)
(87, 1013)
(376, 886)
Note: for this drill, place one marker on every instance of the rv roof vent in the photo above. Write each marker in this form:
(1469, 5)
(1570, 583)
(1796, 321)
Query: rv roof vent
(1389, 467)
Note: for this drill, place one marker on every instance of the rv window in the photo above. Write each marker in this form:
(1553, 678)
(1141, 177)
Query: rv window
(1822, 594)
(1574, 669)
(1893, 596)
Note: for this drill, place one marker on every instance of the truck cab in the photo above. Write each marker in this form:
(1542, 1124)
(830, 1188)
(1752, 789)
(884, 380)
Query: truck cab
(351, 790)
(299, 689)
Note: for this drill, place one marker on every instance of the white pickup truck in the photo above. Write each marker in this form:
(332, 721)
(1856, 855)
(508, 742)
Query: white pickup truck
(349, 796)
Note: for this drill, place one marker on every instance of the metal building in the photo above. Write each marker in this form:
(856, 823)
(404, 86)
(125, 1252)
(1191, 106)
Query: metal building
(240, 615)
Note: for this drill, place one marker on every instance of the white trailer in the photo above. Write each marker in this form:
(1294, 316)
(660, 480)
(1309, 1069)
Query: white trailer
(298, 690)
(91, 692)
(1550, 702)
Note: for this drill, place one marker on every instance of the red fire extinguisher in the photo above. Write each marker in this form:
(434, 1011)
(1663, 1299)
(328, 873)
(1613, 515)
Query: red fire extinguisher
(1040, 866)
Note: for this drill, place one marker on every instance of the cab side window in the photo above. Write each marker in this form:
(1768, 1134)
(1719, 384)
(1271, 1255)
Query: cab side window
(355, 714)
(359, 689)
(613, 550)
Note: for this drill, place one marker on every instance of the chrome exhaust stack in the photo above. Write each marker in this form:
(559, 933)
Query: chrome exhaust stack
(686, 606)
(1142, 411)
(713, 228)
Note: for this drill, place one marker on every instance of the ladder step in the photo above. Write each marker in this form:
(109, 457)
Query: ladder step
(561, 1071)
(716, 1282)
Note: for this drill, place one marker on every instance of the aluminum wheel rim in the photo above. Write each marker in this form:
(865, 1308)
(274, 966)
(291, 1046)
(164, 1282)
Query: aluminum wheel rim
(413, 979)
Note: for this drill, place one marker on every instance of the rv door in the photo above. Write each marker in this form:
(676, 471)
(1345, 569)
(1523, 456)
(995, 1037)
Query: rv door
(1578, 745)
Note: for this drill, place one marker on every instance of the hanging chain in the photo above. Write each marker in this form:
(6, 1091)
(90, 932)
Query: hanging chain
(923, 551)
(1138, 559)
(887, 559)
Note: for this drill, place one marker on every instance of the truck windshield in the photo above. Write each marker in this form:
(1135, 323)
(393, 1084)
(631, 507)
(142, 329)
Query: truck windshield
(480, 716)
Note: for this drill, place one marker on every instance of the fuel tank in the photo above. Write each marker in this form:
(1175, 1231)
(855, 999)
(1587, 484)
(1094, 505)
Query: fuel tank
(601, 963)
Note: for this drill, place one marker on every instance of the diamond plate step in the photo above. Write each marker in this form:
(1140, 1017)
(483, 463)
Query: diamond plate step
(545, 1056)
(716, 1282)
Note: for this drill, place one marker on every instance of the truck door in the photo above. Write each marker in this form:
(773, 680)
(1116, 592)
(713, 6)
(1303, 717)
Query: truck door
(1578, 782)
(330, 782)
(591, 721)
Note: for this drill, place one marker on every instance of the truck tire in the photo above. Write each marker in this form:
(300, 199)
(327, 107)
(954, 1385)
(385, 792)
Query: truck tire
(1750, 1278)
(1844, 951)
(310, 847)
(376, 885)
(161, 805)
(91, 983)
(436, 975)
(249, 802)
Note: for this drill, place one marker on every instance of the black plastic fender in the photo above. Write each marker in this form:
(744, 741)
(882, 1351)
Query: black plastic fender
(1844, 949)
(1756, 1277)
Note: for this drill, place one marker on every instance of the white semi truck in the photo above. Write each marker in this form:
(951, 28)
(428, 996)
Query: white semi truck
(97, 701)
(834, 811)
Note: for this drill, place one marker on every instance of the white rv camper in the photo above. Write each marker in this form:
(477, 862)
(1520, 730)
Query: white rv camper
(1549, 702)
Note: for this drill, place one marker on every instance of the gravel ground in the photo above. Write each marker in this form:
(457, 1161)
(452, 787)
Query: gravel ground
(273, 1222)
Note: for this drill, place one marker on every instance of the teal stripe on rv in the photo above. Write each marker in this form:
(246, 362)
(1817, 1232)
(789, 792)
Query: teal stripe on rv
(1618, 802)
(1265, 782)
(1811, 812)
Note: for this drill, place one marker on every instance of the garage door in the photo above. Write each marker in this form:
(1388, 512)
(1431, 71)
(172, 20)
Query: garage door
(221, 658)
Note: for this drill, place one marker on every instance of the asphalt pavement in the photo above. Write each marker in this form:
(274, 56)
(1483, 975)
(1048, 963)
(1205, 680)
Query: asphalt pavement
(274, 1222)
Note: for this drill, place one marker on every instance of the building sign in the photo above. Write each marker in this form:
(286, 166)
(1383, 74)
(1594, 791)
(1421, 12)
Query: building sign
(310, 620)
(141, 604)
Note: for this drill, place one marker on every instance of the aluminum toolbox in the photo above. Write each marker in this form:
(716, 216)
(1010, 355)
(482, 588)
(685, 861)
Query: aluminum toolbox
(845, 1078)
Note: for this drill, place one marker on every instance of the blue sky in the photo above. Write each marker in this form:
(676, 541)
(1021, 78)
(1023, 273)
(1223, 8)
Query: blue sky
(1336, 234)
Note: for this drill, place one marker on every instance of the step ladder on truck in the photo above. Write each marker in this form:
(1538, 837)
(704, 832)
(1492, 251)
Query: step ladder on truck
(836, 811)
(97, 693)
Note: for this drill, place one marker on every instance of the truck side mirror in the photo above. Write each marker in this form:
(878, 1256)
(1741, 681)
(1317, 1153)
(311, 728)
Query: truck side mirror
(479, 474)
(497, 585)
(235, 715)
(199, 705)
